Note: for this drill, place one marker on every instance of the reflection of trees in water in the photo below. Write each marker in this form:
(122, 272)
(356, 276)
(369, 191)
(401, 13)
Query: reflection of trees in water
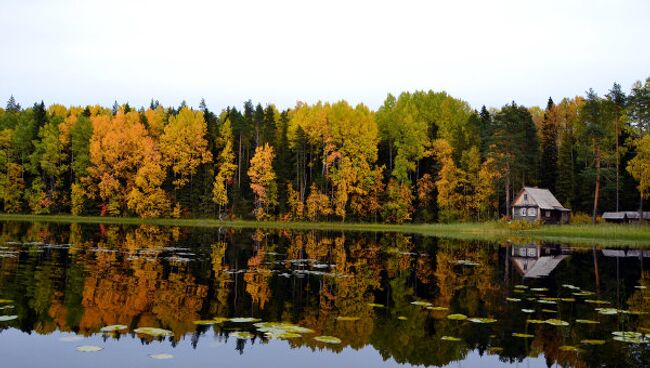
(138, 276)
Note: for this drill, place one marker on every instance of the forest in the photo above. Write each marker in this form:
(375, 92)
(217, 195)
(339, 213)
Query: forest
(423, 156)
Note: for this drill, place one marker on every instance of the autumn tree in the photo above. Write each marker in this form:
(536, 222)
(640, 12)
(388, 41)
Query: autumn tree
(262, 178)
(226, 166)
(184, 146)
(639, 166)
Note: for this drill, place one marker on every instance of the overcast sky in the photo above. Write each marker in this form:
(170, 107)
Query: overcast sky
(485, 52)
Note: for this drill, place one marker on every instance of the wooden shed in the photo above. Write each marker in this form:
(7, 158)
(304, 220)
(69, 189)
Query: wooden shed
(538, 204)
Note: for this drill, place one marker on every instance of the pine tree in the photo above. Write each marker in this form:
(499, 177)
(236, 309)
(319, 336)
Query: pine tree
(12, 105)
(548, 164)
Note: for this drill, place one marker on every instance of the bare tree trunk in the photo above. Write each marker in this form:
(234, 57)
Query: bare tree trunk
(597, 189)
(508, 213)
(618, 164)
(239, 164)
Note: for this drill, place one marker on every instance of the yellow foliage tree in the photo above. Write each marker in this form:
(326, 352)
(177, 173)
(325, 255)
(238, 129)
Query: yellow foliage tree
(639, 166)
(184, 146)
(262, 179)
(318, 204)
(226, 165)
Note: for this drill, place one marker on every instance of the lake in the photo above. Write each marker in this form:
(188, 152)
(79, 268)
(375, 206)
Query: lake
(147, 296)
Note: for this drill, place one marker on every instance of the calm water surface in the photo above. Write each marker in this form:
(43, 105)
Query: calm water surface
(61, 284)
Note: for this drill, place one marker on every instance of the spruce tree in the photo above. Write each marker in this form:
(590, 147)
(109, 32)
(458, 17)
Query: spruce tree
(548, 165)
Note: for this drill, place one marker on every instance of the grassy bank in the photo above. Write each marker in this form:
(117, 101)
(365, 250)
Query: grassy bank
(602, 234)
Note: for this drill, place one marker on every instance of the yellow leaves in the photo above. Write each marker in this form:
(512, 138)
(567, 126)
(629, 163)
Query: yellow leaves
(262, 179)
(639, 166)
(296, 206)
(126, 166)
(318, 204)
(226, 166)
(183, 144)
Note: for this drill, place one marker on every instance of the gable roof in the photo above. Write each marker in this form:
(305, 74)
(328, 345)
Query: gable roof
(540, 197)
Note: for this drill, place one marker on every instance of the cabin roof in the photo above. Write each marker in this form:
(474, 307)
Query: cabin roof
(622, 215)
(540, 197)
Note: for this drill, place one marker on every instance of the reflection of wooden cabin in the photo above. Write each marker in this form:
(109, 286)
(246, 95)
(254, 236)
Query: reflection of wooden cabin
(625, 217)
(635, 253)
(537, 204)
(534, 261)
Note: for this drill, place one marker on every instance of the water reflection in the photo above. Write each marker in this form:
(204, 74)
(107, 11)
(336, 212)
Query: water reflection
(79, 278)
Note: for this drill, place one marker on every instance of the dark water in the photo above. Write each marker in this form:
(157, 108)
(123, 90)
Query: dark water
(63, 283)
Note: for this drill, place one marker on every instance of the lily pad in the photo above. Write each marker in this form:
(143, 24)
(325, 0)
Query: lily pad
(528, 310)
(205, 322)
(584, 293)
(113, 328)
(402, 318)
(438, 308)
(161, 356)
(556, 322)
(219, 320)
(596, 301)
(482, 320)
(632, 340)
(514, 300)
(153, 331)
(89, 348)
(521, 286)
(540, 289)
(8, 318)
(586, 322)
(450, 338)
(457, 317)
(607, 311)
(569, 286)
(640, 287)
(241, 335)
(571, 348)
(522, 335)
(422, 304)
(347, 318)
(593, 342)
(244, 320)
(376, 305)
(549, 311)
(627, 333)
(535, 321)
(6, 301)
(495, 349)
(328, 339)
(288, 335)
(545, 301)
(568, 300)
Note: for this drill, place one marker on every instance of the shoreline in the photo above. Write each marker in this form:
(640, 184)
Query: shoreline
(585, 235)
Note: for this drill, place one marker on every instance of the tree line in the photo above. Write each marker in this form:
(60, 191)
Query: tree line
(423, 156)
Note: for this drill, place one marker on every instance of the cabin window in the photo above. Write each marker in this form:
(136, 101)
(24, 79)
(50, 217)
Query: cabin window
(532, 212)
(547, 213)
(522, 212)
(525, 197)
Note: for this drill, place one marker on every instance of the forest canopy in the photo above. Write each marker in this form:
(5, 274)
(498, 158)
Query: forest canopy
(423, 156)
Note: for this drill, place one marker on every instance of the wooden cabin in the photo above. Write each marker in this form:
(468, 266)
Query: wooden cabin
(625, 217)
(538, 204)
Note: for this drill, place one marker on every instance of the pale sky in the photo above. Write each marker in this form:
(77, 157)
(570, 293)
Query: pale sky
(485, 52)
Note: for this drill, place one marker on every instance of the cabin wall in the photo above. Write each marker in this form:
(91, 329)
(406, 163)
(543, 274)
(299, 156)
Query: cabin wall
(529, 213)
(533, 214)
